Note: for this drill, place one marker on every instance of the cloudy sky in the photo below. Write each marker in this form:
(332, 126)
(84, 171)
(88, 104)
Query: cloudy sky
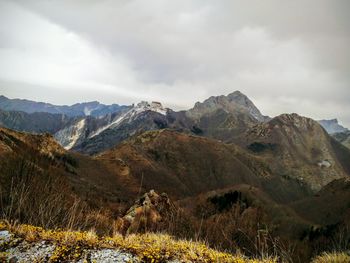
(287, 56)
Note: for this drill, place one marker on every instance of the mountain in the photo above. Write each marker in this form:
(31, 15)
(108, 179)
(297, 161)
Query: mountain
(300, 148)
(91, 134)
(184, 165)
(332, 126)
(37, 122)
(224, 117)
(93, 108)
(343, 138)
(337, 131)
(114, 128)
(233, 103)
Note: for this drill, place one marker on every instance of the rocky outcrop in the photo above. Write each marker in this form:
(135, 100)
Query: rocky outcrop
(149, 213)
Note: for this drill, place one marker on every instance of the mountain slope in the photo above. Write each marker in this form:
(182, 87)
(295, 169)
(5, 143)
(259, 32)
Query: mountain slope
(38, 122)
(343, 138)
(185, 165)
(140, 118)
(300, 148)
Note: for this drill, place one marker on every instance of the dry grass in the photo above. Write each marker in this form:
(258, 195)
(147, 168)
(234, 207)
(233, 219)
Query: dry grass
(149, 247)
(339, 257)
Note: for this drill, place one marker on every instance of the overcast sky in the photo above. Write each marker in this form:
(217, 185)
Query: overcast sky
(287, 56)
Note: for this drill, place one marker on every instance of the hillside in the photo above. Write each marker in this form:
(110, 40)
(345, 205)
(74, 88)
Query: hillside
(184, 165)
(38, 122)
(300, 148)
(214, 187)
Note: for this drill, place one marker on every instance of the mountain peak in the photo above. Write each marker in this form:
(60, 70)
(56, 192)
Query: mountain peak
(332, 126)
(236, 93)
(235, 102)
(294, 119)
(153, 106)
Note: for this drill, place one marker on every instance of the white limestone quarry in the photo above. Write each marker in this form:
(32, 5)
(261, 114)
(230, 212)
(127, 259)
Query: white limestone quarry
(70, 135)
(131, 114)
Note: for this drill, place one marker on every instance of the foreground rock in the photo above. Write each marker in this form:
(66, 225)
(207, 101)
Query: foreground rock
(20, 250)
(147, 214)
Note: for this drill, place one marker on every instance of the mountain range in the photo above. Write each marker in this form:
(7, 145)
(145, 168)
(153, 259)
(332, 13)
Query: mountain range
(93, 108)
(226, 167)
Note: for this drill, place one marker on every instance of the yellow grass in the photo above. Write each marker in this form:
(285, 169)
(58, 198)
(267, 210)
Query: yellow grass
(332, 258)
(150, 247)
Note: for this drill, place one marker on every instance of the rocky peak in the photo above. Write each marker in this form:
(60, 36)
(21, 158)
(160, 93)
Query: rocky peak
(295, 120)
(153, 106)
(291, 125)
(235, 102)
(332, 126)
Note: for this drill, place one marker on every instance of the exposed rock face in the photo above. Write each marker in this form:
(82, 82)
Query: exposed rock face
(19, 250)
(297, 147)
(332, 126)
(93, 135)
(233, 103)
(225, 117)
(147, 214)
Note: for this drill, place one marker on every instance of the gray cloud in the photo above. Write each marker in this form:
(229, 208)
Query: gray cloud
(288, 56)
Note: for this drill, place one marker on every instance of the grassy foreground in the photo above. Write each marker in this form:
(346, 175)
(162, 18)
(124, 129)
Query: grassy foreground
(149, 247)
(332, 258)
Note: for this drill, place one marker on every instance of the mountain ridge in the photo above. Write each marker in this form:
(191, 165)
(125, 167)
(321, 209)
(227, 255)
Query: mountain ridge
(94, 108)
